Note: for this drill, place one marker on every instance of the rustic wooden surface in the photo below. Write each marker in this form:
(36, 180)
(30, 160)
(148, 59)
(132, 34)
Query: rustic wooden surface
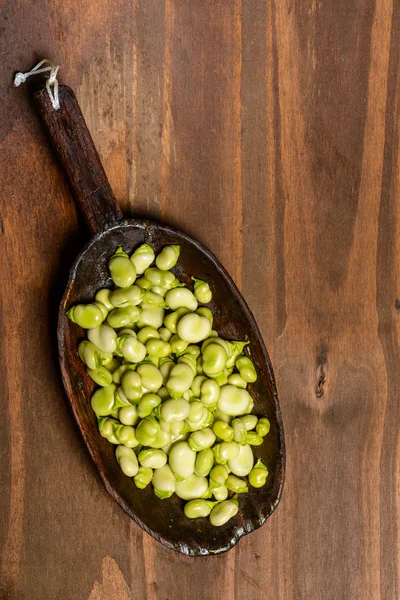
(269, 131)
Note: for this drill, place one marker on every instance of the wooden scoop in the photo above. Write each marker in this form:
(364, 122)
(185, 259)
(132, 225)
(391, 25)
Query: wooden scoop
(163, 519)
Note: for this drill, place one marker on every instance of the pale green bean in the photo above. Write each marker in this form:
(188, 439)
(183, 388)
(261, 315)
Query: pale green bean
(168, 257)
(122, 270)
(164, 482)
(143, 477)
(193, 328)
(223, 512)
(202, 291)
(142, 258)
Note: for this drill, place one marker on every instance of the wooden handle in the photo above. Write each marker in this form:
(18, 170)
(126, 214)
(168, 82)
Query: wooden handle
(75, 149)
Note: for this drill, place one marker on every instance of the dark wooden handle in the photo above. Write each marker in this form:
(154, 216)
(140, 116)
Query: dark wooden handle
(75, 149)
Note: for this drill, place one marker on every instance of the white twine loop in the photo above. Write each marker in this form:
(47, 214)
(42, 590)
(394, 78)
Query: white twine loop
(51, 82)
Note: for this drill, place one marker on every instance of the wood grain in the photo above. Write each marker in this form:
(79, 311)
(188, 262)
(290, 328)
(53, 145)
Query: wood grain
(270, 131)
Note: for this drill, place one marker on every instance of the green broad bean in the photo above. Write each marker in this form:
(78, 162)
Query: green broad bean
(221, 416)
(163, 438)
(147, 430)
(253, 438)
(132, 386)
(233, 401)
(203, 311)
(120, 400)
(122, 270)
(168, 257)
(204, 462)
(209, 392)
(155, 276)
(123, 297)
(90, 355)
(101, 376)
(205, 421)
(131, 349)
(177, 345)
(193, 351)
(157, 289)
(127, 460)
(106, 428)
(189, 360)
(147, 333)
(166, 368)
(103, 296)
(199, 366)
(151, 377)
(258, 475)
(153, 299)
(263, 426)
(182, 460)
(104, 338)
(222, 378)
(225, 451)
(103, 400)
(127, 331)
(128, 415)
(219, 474)
(164, 279)
(240, 431)
(196, 385)
(152, 316)
(125, 435)
(172, 319)
(176, 409)
(192, 487)
(202, 291)
(238, 381)
(118, 374)
(164, 482)
(223, 512)
(235, 349)
(180, 380)
(242, 464)
(181, 297)
(223, 431)
(220, 492)
(250, 421)
(215, 340)
(86, 316)
(237, 485)
(103, 308)
(193, 328)
(246, 369)
(214, 360)
(188, 395)
(147, 404)
(113, 365)
(153, 458)
(202, 439)
(165, 334)
(198, 508)
(142, 258)
(123, 317)
(143, 477)
(163, 393)
(196, 411)
(158, 348)
(143, 283)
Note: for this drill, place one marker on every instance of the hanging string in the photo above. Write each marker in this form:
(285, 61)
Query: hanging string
(50, 83)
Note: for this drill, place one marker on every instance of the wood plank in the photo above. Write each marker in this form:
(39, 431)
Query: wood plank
(269, 131)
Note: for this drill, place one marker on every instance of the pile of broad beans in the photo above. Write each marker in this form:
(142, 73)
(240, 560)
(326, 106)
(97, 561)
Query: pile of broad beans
(172, 394)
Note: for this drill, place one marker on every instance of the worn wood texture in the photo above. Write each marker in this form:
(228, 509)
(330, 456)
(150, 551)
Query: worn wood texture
(269, 131)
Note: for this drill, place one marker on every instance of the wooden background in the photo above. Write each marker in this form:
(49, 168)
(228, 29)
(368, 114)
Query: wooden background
(269, 130)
